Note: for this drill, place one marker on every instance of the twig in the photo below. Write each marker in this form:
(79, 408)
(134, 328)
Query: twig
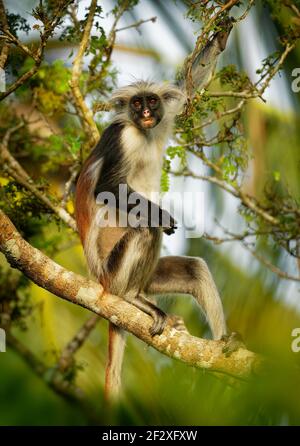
(20, 81)
(66, 358)
(4, 26)
(292, 6)
(274, 70)
(16, 171)
(72, 394)
(83, 110)
(222, 184)
(137, 24)
(235, 94)
(261, 259)
(236, 192)
(68, 186)
(221, 115)
(73, 15)
(111, 39)
(270, 266)
(112, 34)
(101, 106)
(38, 54)
(35, 364)
(13, 39)
(243, 16)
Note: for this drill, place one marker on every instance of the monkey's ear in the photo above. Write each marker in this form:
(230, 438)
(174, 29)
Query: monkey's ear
(173, 94)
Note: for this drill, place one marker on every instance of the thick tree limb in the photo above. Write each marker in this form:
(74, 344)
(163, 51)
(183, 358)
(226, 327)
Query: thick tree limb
(196, 352)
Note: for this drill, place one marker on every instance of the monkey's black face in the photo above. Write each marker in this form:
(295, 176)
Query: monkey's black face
(146, 110)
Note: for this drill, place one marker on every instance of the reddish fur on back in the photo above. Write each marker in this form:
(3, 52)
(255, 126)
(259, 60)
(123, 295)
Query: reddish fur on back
(84, 201)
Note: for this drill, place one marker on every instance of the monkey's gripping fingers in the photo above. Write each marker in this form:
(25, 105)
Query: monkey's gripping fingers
(148, 307)
(168, 223)
(170, 231)
(159, 322)
(233, 342)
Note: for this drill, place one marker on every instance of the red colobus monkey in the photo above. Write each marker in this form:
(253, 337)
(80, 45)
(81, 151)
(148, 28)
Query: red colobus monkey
(125, 260)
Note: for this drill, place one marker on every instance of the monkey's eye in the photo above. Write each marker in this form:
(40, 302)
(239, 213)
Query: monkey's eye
(137, 104)
(153, 101)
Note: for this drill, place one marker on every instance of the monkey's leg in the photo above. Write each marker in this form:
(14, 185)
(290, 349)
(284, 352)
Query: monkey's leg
(126, 270)
(130, 265)
(190, 275)
(158, 316)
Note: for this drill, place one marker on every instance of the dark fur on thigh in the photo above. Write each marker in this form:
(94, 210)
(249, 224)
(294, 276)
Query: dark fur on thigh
(130, 264)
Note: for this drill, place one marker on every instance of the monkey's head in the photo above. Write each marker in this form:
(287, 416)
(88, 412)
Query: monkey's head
(146, 109)
(146, 104)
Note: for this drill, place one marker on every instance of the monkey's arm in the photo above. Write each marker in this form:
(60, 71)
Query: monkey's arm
(150, 213)
(147, 212)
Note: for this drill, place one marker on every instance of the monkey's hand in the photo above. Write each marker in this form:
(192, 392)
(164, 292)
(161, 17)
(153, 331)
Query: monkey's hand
(152, 215)
(233, 342)
(169, 224)
(170, 231)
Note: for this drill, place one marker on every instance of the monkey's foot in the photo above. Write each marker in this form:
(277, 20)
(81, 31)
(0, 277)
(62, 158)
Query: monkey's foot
(159, 323)
(234, 341)
(148, 307)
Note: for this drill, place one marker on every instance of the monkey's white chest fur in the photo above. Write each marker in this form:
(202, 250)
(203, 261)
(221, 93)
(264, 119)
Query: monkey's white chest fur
(144, 157)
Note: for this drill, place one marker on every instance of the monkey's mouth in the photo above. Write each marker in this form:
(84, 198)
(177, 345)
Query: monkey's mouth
(148, 123)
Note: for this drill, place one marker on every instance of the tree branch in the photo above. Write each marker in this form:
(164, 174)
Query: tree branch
(69, 392)
(216, 46)
(270, 266)
(66, 357)
(4, 47)
(137, 24)
(82, 108)
(16, 171)
(196, 352)
(36, 55)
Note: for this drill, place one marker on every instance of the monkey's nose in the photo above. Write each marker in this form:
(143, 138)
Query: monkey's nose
(146, 113)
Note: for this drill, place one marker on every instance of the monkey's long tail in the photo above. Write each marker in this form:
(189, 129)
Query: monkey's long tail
(116, 346)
